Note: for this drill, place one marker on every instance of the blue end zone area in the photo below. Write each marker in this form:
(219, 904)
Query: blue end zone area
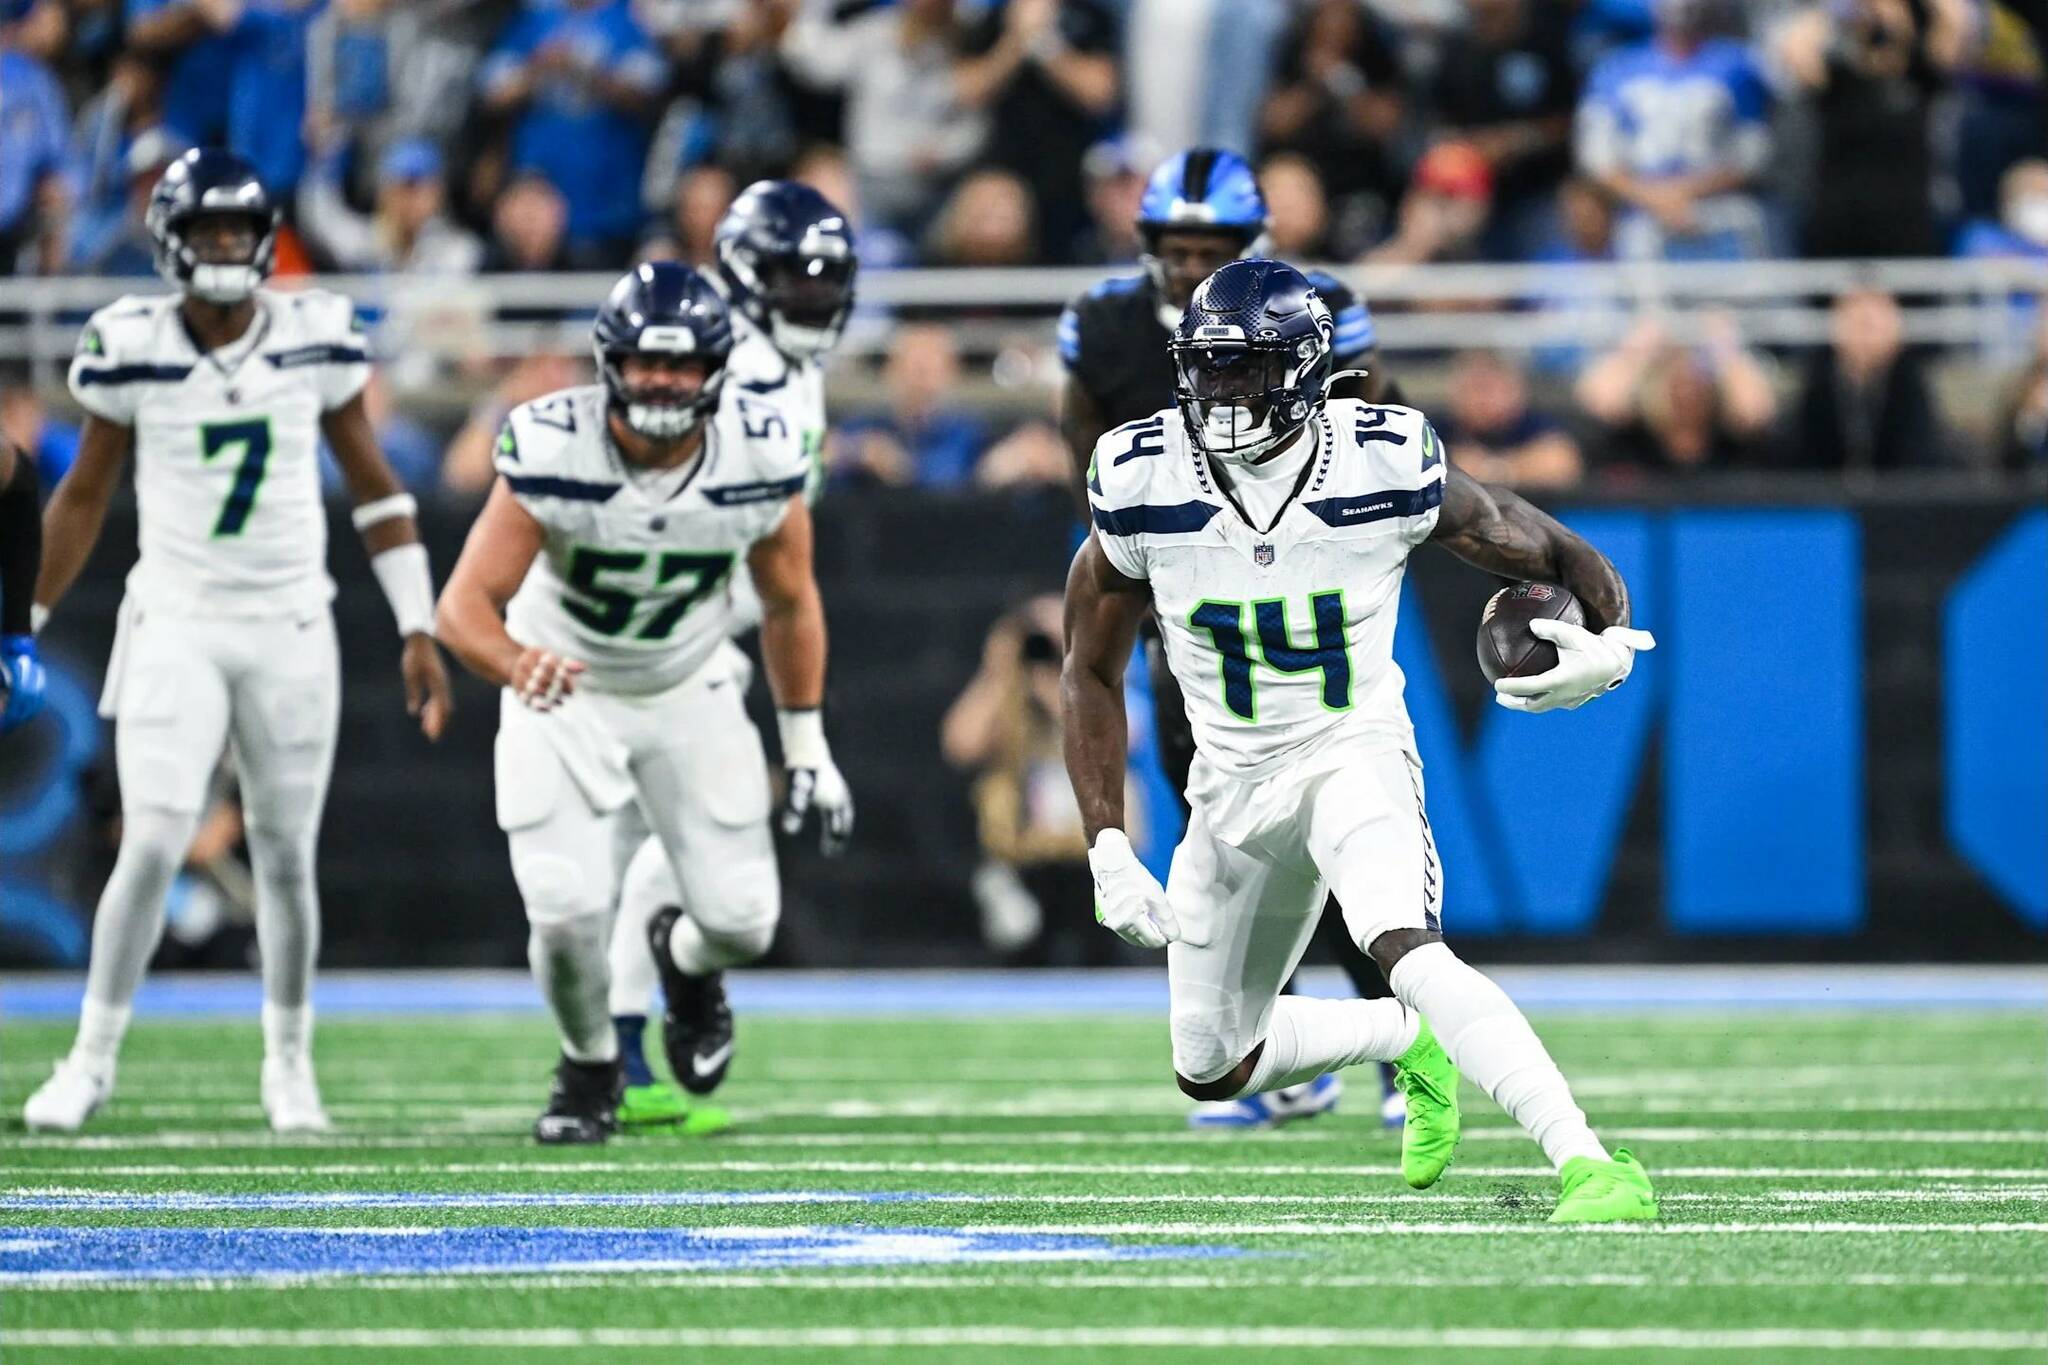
(1621, 987)
(34, 1254)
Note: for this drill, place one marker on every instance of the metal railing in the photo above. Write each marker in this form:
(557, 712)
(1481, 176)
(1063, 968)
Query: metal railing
(1947, 303)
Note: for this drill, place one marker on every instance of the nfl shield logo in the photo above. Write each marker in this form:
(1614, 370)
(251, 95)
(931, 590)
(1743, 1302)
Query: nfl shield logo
(1262, 555)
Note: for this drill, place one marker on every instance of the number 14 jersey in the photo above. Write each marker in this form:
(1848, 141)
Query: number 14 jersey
(635, 577)
(1282, 640)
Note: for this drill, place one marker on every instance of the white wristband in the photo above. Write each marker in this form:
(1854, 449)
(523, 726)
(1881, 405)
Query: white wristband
(408, 586)
(38, 617)
(384, 509)
(803, 738)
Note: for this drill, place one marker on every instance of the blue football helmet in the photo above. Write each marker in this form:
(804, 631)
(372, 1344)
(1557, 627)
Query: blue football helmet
(1206, 190)
(208, 182)
(1251, 359)
(786, 259)
(665, 310)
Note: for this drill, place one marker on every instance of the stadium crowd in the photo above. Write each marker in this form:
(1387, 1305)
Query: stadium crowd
(439, 138)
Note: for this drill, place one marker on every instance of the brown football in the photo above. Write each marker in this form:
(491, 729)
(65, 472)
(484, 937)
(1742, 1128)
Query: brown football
(1507, 647)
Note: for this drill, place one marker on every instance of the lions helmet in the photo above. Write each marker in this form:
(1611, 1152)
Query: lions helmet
(208, 182)
(786, 259)
(1206, 190)
(668, 310)
(1251, 359)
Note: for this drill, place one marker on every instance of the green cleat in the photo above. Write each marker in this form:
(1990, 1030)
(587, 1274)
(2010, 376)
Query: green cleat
(1616, 1191)
(705, 1120)
(646, 1106)
(1429, 1083)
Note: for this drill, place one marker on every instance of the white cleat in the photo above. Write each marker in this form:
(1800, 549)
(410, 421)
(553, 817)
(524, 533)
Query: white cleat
(73, 1094)
(291, 1097)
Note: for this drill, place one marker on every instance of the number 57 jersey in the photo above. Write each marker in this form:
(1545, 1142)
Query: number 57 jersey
(635, 578)
(1282, 641)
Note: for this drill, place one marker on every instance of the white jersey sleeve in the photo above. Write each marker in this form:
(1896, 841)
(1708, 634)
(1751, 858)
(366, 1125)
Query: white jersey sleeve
(1127, 498)
(332, 343)
(759, 374)
(113, 358)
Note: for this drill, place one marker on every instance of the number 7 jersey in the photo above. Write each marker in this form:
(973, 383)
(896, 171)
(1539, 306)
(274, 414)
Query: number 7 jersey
(635, 578)
(1282, 641)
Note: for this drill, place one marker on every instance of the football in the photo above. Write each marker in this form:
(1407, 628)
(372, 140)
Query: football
(1507, 647)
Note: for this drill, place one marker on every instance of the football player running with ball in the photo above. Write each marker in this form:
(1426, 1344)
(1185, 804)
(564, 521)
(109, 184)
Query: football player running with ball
(786, 266)
(1269, 527)
(593, 590)
(222, 392)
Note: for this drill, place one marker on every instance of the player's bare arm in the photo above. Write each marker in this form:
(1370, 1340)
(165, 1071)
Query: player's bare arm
(78, 508)
(792, 612)
(385, 518)
(470, 619)
(1081, 426)
(1103, 612)
(1496, 530)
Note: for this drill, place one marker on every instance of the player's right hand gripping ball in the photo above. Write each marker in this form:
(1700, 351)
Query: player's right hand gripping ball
(1128, 898)
(1535, 649)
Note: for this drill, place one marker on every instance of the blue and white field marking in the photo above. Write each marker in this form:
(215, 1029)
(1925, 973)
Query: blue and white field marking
(30, 1255)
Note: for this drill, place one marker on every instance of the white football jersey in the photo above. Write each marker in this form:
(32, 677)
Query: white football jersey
(1283, 642)
(795, 388)
(634, 577)
(227, 475)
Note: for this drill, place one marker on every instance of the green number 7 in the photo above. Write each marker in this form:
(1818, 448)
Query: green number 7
(253, 438)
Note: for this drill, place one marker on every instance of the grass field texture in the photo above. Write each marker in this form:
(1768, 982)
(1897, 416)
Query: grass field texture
(1837, 1186)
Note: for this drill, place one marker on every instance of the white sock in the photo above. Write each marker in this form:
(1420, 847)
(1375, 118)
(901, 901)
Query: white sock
(100, 1031)
(287, 1030)
(1309, 1037)
(633, 971)
(1490, 1041)
(568, 960)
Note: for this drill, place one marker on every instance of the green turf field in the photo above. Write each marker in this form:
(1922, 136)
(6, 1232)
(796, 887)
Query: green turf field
(1835, 1186)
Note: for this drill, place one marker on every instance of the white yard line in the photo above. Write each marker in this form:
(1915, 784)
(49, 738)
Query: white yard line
(1381, 1229)
(1218, 1170)
(1064, 1338)
(1024, 1279)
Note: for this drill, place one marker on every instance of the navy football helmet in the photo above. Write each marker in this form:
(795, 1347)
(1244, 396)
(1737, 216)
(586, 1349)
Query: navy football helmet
(1205, 190)
(207, 182)
(786, 259)
(1251, 359)
(666, 311)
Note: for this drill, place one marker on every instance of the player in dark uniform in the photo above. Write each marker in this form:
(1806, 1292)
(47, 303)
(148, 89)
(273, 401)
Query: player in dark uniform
(1201, 210)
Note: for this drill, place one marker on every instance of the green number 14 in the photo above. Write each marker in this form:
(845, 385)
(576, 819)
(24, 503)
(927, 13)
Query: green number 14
(1330, 652)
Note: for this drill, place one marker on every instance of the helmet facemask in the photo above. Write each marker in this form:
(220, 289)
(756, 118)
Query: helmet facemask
(800, 298)
(224, 279)
(662, 413)
(1239, 399)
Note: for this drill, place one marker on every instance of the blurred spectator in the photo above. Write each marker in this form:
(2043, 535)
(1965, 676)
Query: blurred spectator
(1299, 209)
(1495, 436)
(188, 41)
(1048, 78)
(2003, 104)
(703, 194)
(2023, 425)
(466, 467)
(124, 245)
(1506, 85)
(409, 233)
(912, 119)
(919, 439)
(266, 119)
(1004, 728)
(103, 137)
(581, 81)
(825, 170)
(2021, 230)
(1865, 402)
(988, 221)
(1673, 409)
(27, 425)
(1444, 214)
(34, 123)
(1583, 235)
(1196, 71)
(529, 228)
(736, 106)
(1678, 129)
(1337, 99)
(1873, 70)
(1031, 458)
(1115, 171)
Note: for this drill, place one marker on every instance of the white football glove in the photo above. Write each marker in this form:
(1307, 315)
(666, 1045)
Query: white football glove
(1128, 898)
(542, 678)
(815, 782)
(1588, 666)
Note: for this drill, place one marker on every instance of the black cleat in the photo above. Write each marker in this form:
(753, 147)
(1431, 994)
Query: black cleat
(696, 1026)
(582, 1104)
